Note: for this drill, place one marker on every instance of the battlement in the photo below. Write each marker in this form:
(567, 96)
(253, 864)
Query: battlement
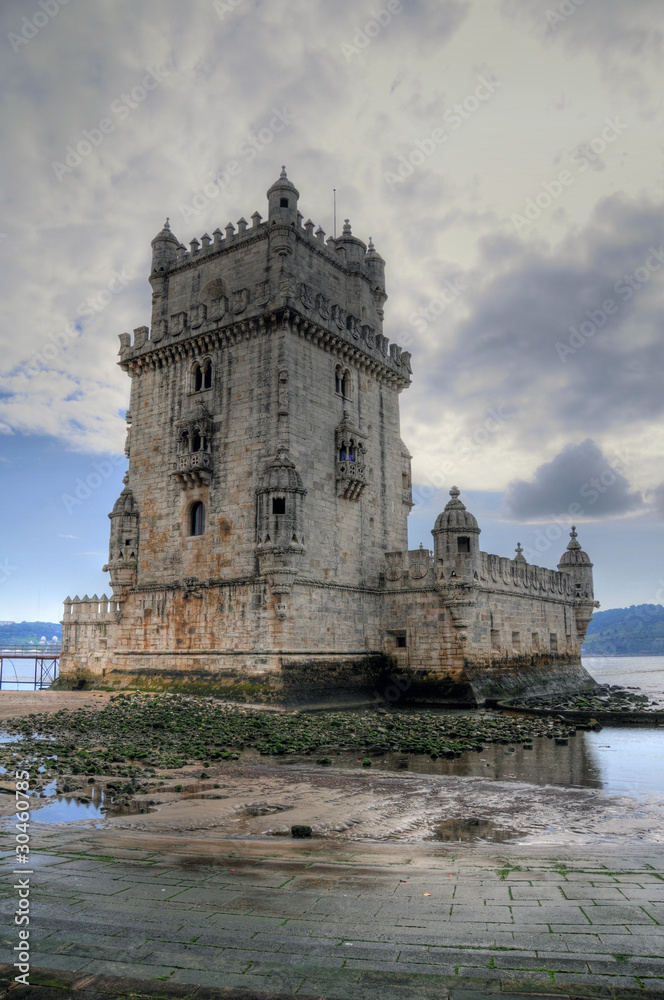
(90, 609)
(254, 279)
(416, 567)
(231, 238)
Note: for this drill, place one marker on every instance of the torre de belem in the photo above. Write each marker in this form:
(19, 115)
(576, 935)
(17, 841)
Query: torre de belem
(259, 548)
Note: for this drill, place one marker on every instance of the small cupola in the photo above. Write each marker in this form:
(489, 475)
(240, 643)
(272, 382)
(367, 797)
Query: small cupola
(165, 248)
(574, 555)
(456, 538)
(282, 200)
(355, 249)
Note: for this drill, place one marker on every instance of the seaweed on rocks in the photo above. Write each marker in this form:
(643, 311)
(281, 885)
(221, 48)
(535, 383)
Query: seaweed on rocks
(134, 734)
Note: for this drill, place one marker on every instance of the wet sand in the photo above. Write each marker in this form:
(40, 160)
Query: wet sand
(15, 704)
(256, 797)
(264, 800)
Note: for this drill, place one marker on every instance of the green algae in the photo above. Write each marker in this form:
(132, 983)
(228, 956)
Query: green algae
(135, 733)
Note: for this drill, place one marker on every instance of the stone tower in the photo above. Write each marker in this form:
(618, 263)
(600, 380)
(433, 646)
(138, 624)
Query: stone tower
(259, 545)
(264, 448)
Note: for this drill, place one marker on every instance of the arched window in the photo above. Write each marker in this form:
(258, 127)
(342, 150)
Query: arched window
(196, 440)
(351, 451)
(184, 443)
(197, 519)
(198, 378)
(343, 454)
(207, 375)
(342, 383)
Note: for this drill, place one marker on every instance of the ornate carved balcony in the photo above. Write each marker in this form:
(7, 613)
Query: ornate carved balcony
(351, 479)
(194, 469)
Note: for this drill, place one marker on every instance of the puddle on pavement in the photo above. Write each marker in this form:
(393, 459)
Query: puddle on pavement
(466, 830)
(77, 806)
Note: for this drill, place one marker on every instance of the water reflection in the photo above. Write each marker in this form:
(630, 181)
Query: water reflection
(617, 760)
(544, 764)
(454, 830)
(75, 807)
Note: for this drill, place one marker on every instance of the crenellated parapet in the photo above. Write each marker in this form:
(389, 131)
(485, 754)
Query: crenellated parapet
(340, 301)
(457, 564)
(90, 609)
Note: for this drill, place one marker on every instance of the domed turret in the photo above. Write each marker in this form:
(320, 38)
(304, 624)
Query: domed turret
(455, 517)
(165, 247)
(355, 249)
(282, 200)
(456, 541)
(280, 522)
(123, 545)
(577, 563)
(375, 266)
(574, 554)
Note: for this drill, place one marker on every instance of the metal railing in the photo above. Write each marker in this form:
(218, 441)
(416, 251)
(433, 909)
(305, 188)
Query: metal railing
(46, 659)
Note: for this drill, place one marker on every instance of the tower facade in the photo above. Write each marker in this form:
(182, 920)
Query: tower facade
(259, 545)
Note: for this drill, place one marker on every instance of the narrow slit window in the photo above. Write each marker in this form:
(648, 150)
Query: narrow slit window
(197, 519)
(278, 505)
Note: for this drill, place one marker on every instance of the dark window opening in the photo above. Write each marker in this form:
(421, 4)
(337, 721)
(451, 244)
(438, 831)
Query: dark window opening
(337, 383)
(283, 202)
(463, 544)
(401, 641)
(197, 519)
(207, 377)
(198, 379)
(342, 453)
(127, 541)
(196, 442)
(344, 387)
(278, 505)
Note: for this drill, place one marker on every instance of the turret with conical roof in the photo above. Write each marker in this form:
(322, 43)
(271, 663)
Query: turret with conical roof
(456, 541)
(165, 247)
(282, 200)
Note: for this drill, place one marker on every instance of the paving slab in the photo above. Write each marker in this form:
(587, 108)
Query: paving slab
(353, 924)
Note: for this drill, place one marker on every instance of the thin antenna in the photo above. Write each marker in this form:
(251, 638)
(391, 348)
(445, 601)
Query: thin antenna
(335, 212)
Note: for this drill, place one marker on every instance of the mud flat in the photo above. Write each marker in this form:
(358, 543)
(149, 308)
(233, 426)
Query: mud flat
(17, 704)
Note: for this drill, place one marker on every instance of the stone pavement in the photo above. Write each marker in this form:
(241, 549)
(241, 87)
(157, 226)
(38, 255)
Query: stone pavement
(343, 920)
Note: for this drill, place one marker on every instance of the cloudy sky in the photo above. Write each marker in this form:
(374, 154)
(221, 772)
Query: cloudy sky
(505, 156)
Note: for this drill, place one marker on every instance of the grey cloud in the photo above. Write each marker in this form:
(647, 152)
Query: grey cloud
(625, 37)
(527, 298)
(580, 481)
(659, 500)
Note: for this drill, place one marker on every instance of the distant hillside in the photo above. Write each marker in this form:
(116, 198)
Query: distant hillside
(23, 632)
(635, 631)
